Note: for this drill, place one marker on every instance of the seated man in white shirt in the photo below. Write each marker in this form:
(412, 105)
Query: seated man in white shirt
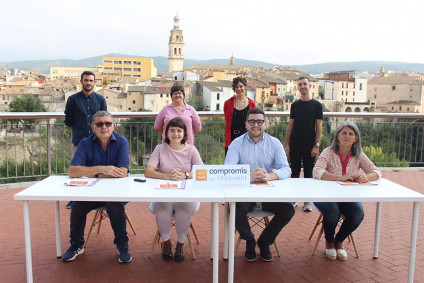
(268, 161)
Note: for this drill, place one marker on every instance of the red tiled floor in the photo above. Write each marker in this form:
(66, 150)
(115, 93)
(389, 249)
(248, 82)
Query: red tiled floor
(99, 263)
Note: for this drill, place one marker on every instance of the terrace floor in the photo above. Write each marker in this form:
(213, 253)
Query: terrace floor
(100, 263)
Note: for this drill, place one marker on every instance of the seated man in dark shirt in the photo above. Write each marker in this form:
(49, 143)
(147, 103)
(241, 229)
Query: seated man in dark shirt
(104, 154)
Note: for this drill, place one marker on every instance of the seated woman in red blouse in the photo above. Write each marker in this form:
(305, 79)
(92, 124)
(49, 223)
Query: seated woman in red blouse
(343, 161)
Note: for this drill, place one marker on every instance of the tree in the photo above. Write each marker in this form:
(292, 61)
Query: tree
(27, 103)
(381, 158)
(195, 102)
(321, 91)
(141, 129)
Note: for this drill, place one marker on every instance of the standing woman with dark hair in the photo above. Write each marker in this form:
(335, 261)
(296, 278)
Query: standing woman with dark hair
(235, 111)
(342, 161)
(178, 108)
(173, 160)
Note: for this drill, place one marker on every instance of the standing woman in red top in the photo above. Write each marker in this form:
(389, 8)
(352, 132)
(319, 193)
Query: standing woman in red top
(235, 111)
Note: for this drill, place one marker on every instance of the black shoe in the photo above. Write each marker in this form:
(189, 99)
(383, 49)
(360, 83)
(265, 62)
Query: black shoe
(265, 253)
(69, 204)
(167, 250)
(179, 252)
(250, 254)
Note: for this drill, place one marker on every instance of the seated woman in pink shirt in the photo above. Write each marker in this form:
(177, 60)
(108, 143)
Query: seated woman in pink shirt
(173, 160)
(343, 161)
(178, 108)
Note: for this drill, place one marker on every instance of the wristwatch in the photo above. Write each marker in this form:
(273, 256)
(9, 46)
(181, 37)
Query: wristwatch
(187, 175)
(317, 144)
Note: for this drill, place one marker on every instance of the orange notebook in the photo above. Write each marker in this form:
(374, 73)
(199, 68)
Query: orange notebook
(166, 184)
(82, 182)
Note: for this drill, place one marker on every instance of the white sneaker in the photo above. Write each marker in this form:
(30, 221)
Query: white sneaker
(307, 206)
(341, 254)
(331, 253)
(294, 204)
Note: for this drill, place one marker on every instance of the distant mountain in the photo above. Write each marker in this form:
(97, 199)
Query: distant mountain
(161, 63)
(361, 66)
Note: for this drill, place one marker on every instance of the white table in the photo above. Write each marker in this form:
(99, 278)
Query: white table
(120, 189)
(310, 190)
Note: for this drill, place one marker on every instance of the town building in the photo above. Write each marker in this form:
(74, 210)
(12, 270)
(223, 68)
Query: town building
(397, 93)
(262, 91)
(71, 72)
(139, 67)
(217, 73)
(155, 96)
(290, 75)
(52, 99)
(176, 48)
(345, 87)
(214, 94)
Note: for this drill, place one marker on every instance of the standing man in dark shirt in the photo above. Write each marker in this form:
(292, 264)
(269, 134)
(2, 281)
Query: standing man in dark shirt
(304, 133)
(80, 108)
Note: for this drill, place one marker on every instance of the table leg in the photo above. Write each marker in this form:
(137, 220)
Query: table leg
(231, 236)
(225, 252)
(215, 232)
(413, 242)
(212, 234)
(28, 253)
(377, 230)
(57, 222)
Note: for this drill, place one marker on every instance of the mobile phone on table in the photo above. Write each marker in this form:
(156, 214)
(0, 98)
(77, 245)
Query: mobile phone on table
(139, 180)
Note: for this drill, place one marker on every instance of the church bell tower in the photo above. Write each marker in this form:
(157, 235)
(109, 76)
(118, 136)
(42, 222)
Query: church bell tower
(176, 48)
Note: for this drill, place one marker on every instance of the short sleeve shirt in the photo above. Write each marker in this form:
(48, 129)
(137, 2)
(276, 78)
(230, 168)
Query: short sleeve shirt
(166, 159)
(305, 114)
(91, 153)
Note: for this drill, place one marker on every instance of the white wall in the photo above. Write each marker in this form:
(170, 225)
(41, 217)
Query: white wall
(190, 76)
(360, 95)
(330, 90)
(149, 101)
(206, 97)
(281, 90)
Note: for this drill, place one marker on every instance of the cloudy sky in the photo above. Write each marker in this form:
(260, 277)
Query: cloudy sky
(275, 31)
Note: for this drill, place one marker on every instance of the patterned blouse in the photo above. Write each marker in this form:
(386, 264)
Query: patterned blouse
(330, 161)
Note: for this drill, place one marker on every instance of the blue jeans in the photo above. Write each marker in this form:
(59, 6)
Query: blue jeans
(116, 212)
(331, 211)
(284, 212)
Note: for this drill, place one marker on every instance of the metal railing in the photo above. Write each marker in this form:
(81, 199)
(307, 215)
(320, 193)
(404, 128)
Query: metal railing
(35, 145)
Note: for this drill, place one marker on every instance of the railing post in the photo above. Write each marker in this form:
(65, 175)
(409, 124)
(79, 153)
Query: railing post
(49, 154)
